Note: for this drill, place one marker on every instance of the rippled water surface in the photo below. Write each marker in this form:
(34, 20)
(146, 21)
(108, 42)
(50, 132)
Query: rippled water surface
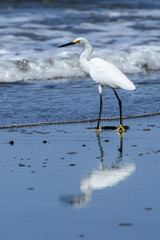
(41, 83)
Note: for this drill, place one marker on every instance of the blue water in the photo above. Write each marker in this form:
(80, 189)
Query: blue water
(105, 189)
(42, 83)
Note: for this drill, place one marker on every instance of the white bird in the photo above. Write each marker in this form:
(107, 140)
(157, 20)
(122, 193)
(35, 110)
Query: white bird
(103, 73)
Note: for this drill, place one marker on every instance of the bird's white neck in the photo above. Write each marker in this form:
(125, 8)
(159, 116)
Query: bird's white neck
(84, 58)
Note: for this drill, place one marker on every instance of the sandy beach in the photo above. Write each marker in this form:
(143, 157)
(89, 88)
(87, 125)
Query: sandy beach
(67, 182)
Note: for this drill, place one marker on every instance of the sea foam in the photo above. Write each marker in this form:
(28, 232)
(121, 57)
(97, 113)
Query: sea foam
(66, 65)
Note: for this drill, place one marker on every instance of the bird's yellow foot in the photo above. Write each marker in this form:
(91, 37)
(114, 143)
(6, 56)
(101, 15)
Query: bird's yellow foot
(120, 129)
(98, 130)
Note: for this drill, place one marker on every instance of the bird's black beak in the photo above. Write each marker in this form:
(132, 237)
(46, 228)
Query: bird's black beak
(67, 44)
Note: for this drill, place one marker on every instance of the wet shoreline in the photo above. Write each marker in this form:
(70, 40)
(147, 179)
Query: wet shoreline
(76, 122)
(67, 176)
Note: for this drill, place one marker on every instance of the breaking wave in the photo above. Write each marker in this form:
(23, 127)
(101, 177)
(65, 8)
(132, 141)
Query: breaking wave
(66, 65)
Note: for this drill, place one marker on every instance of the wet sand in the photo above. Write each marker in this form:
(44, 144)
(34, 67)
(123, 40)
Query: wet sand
(67, 182)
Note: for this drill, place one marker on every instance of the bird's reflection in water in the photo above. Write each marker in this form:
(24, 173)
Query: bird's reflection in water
(104, 177)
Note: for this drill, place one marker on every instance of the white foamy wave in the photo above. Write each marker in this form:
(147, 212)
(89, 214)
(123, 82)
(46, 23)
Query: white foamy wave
(138, 60)
(24, 70)
(66, 65)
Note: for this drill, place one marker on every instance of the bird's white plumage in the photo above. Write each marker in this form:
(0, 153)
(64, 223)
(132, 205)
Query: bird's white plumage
(106, 74)
(101, 71)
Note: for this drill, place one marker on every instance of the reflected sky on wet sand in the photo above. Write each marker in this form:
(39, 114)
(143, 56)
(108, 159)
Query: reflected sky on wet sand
(68, 177)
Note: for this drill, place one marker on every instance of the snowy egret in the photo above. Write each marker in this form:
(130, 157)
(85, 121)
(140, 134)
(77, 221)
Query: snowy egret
(103, 73)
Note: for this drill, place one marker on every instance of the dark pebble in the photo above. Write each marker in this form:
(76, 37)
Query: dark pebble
(72, 153)
(148, 208)
(106, 140)
(83, 145)
(11, 142)
(81, 236)
(125, 224)
(21, 165)
(72, 165)
(157, 151)
(44, 141)
(30, 188)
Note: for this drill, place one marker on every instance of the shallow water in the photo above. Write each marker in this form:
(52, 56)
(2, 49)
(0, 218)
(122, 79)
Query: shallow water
(68, 182)
(72, 100)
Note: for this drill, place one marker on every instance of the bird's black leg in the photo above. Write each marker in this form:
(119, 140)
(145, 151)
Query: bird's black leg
(120, 110)
(100, 111)
(120, 106)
